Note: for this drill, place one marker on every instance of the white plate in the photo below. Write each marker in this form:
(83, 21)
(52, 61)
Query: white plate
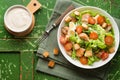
(96, 64)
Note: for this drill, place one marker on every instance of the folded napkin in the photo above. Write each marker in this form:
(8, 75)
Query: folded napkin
(63, 68)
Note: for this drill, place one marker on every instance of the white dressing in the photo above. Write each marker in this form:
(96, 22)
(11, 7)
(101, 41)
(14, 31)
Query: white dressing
(18, 19)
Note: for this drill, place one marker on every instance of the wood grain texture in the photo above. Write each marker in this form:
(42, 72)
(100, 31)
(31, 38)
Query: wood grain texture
(26, 65)
(9, 66)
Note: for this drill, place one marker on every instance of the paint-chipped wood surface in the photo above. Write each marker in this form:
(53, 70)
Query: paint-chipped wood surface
(9, 66)
(26, 65)
(14, 62)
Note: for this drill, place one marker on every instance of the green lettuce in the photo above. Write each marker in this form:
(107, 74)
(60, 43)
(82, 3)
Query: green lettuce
(73, 54)
(76, 39)
(95, 43)
(100, 31)
(90, 12)
(92, 59)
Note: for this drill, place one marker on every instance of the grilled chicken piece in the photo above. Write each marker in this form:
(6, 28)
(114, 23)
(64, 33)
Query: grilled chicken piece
(71, 29)
(109, 27)
(80, 52)
(96, 17)
(69, 53)
(85, 17)
(84, 36)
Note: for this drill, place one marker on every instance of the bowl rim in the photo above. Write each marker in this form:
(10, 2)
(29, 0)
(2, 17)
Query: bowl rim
(116, 39)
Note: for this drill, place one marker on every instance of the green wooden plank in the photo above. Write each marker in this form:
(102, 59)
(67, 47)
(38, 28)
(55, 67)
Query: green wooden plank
(9, 66)
(26, 68)
(17, 44)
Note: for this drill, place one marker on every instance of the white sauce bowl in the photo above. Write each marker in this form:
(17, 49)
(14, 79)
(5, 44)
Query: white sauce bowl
(17, 19)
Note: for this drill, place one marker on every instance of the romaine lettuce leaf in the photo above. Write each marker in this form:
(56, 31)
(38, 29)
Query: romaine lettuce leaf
(73, 54)
(95, 43)
(76, 39)
(92, 59)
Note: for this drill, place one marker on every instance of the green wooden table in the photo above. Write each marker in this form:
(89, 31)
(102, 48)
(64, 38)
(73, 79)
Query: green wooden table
(17, 54)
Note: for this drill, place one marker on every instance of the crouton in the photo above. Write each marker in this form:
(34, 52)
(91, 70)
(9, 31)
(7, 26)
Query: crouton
(88, 53)
(55, 51)
(46, 54)
(68, 19)
(76, 46)
(84, 25)
(51, 64)
(104, 25)
(112, 49)
(77, 13)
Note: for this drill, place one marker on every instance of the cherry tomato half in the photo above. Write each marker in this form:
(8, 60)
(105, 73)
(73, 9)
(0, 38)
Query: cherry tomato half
(84, 60)
(100, 20)
(68, 46)
(93, 35)
(109, 40)
(79, 29)
(91, 20)
(104, 55)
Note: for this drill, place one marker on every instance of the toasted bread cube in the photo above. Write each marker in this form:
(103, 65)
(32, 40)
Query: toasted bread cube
(76, 46)
(55, 51)
(84, 25)
(51, 64)
(68, 19)
(112, 49)
(77, 13)
(46, 54)
(104, 25)
(88, 53)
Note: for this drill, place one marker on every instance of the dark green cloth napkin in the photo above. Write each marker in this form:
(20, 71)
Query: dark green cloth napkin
(63, 68)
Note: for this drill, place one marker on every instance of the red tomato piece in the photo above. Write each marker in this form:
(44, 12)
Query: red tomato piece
(84, 60)
(104, 55)
(79, 29)
(109, 40)
(93, 35)
(100, 20)
(68, 46)
(91, 20)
